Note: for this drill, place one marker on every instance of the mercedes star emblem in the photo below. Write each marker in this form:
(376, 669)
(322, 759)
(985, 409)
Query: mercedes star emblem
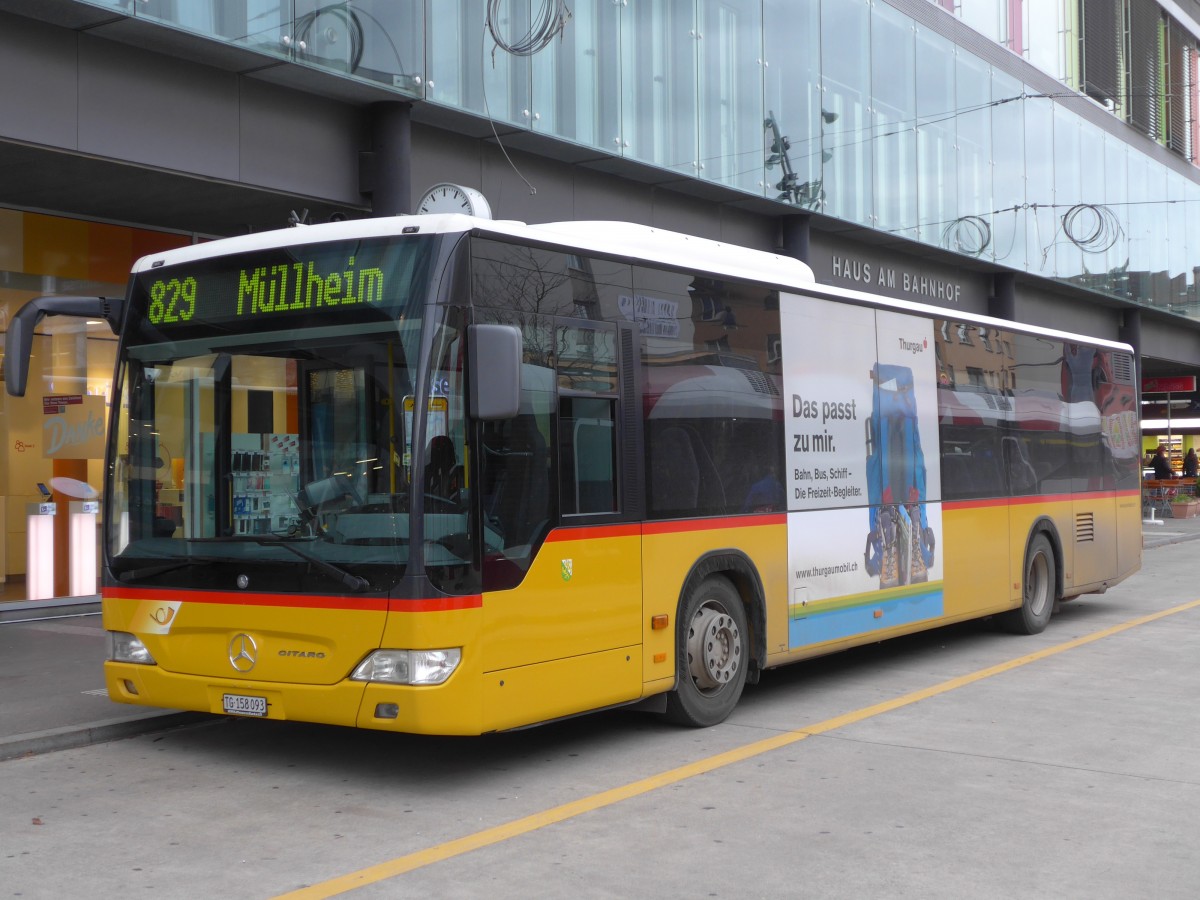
(243, 652)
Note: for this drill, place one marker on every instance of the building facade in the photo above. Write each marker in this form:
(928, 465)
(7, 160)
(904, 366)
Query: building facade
(1030, 159)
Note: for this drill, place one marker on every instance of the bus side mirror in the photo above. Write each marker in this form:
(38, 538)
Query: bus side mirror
(18, 342)
(336, 489)
(494, 352)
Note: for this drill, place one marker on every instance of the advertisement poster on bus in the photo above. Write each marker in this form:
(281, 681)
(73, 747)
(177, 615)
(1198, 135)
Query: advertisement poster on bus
(863, 482)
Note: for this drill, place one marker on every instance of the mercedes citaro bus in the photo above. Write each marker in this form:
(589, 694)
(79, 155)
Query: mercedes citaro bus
(449, 475)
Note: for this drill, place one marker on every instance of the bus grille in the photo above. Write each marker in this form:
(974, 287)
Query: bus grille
(1085, 528)
(1122, 364)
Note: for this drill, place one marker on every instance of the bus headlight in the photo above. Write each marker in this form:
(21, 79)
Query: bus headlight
(124, 647)
(408, 666)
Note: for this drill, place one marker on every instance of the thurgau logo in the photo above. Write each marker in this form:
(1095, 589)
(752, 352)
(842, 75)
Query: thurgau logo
(913, 346)
(568, 569)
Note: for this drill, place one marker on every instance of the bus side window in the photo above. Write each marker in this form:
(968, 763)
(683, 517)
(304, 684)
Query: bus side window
(1022, 477)
(684, 480)
(516, 498)
(675, 474)
(587, 455)
(957, 481)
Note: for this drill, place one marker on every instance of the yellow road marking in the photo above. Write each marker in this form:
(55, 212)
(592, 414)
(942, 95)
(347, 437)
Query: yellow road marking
(518, 827)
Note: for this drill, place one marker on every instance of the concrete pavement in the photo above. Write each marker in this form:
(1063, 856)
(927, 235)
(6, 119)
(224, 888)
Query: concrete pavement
(52, 693)
(1157, 532)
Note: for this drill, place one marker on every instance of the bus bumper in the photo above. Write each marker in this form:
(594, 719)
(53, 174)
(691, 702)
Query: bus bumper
(450, 708)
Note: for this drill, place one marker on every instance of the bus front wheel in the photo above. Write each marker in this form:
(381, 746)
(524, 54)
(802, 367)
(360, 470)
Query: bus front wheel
(712, 652)
(1039, 588)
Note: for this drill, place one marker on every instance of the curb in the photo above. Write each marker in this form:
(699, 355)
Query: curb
(37, 610)
(72, 736)
(1152, 539)
(1168, 542)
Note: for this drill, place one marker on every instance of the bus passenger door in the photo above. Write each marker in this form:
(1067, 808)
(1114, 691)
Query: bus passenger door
(562, 550)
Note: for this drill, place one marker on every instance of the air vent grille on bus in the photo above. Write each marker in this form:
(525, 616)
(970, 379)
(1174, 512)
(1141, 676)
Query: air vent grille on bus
(1122, 364)
(996, 401)
(1085, 528)
(761, 382)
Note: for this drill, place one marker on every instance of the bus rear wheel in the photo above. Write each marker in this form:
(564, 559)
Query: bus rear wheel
(711, 655)
(1039, 587)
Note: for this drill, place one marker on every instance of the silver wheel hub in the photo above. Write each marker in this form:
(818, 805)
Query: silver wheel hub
(1037, 585)
(714, 648)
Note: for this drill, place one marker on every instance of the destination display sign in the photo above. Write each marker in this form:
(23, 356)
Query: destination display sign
(315, 280)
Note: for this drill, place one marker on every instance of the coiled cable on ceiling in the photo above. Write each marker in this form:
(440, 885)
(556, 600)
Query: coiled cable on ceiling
(544, 27)
(308, 31)
(969, 235)
(1091, 228)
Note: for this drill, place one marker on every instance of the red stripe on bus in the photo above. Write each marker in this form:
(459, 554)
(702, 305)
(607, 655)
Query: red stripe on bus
(592, 532)
(372, 604)
(686, 525)
(587, 533)
(297, 601)
(1038, 498)
(683, 525)
(436, 604)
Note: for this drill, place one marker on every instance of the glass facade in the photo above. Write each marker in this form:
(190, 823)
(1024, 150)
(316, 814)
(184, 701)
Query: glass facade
(849, 108)
(54, 436)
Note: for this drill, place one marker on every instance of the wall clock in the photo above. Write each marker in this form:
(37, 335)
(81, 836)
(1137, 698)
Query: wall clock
(454, 198)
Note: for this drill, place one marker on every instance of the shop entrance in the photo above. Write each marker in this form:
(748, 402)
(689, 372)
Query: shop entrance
(52, 465)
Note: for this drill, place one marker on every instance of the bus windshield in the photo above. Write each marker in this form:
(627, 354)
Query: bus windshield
(263, 435)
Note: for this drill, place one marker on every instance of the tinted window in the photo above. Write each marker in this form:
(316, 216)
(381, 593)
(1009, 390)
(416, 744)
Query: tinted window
(713, 403)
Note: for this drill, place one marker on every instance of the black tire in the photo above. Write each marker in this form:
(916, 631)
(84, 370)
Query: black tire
(1039, 590)
(712, 652)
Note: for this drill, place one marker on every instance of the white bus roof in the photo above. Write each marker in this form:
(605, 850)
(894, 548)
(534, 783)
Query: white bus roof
(625, 240)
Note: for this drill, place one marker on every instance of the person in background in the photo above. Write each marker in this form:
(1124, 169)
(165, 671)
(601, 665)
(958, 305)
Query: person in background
(441, 468)
(1191, 465)
(1162, 465)
(766, 494)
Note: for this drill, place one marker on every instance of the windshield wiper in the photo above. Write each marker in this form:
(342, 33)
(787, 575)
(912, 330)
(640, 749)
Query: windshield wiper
(353, 582)
(128, 575)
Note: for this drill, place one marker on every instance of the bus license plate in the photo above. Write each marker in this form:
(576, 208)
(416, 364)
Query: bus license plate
(241, 705)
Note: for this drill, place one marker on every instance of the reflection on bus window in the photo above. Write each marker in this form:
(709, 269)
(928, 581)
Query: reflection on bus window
(587, 459)
(714, 405)
(1028, 414)
(515, 493)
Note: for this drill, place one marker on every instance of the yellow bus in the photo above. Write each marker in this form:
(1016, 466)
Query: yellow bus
(446, 475)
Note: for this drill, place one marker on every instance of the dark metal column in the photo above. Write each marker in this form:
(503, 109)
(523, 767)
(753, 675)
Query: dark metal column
(1130, 332)
(386, 170)
(794, 235)
(1003, 302)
